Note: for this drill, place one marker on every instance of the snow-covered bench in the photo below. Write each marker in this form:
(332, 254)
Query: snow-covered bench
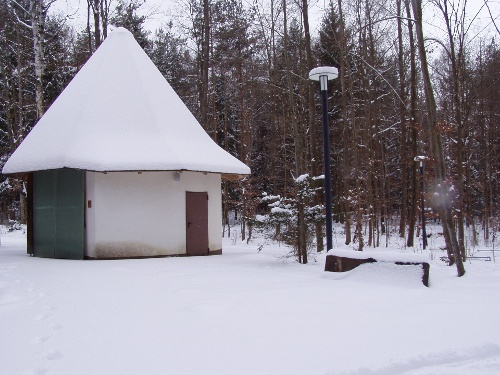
(347, 260)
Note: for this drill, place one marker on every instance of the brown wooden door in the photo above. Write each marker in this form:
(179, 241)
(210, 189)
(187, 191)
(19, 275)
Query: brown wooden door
(196, 223)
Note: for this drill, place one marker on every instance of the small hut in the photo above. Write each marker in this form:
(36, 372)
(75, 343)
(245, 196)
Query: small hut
(119, 167)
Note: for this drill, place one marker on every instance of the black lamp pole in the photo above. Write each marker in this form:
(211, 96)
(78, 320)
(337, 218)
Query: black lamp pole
(323, 75)
(424, 233)
(326, 156)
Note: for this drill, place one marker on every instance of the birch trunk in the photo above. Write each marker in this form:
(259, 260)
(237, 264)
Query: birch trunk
(38, 27)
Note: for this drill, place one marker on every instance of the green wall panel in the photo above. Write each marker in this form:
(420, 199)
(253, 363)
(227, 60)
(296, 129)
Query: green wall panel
(58, 213)
(44, 213)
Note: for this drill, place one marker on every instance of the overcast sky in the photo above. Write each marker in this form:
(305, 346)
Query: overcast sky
(160, 12)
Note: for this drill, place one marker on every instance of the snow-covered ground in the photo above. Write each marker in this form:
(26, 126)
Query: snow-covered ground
(245, 312)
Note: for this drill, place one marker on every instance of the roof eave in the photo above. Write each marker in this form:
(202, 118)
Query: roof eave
(229, 176)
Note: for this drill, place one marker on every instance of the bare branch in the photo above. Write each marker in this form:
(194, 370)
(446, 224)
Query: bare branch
(491, 16)
(383, 78)
(19, 20)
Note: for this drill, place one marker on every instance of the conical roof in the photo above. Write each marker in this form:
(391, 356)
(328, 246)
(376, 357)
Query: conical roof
(120, 114)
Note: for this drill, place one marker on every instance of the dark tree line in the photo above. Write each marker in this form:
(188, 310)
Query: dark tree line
(242, 70)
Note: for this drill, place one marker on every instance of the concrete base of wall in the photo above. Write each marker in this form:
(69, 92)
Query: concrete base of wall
(212, 252)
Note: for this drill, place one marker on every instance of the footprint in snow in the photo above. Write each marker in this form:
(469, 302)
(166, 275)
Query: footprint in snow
(40, 317)
(55, 326)
(39, 371)
(53, 355)
(9, 299)
(37, 340)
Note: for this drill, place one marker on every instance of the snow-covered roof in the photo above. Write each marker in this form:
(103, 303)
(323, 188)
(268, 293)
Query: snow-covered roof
(120, 114)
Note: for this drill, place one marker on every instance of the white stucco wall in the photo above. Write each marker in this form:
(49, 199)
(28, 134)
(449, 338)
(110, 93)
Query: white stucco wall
(144, 214)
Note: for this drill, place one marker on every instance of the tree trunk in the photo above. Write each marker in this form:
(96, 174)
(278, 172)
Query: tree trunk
(402, 119)
(89, 32)
(38, 28)
(301, 227)
(456, 65)
(20, 131)
(315, 155)
(412, 211)
(344, 66)
(243, 142)
(443, 206)
(97, 23)
(204, 64)
(104, 18)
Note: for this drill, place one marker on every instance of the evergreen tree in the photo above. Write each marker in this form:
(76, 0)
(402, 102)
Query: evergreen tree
(127, 16)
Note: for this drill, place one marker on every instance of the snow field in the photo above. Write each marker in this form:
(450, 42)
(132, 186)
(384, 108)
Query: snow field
(245, 312)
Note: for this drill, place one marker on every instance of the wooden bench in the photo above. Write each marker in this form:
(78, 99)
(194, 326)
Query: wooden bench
(336, 263)
(485, 258)
(486, 250)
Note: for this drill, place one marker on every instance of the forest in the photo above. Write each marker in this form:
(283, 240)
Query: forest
(403, 91)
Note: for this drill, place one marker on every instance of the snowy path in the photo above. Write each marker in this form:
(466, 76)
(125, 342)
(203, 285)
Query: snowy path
(241, 313)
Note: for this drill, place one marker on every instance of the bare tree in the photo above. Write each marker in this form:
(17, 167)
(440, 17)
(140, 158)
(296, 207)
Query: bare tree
(315, 155)
(442, 203)
(402, 118)
(100, 13)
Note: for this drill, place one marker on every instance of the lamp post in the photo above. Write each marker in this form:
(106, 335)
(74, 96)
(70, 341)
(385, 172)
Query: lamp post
(424, 234)
(323, 74)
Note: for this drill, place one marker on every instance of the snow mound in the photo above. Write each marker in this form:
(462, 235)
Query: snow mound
(381, 256)
(383, 273)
